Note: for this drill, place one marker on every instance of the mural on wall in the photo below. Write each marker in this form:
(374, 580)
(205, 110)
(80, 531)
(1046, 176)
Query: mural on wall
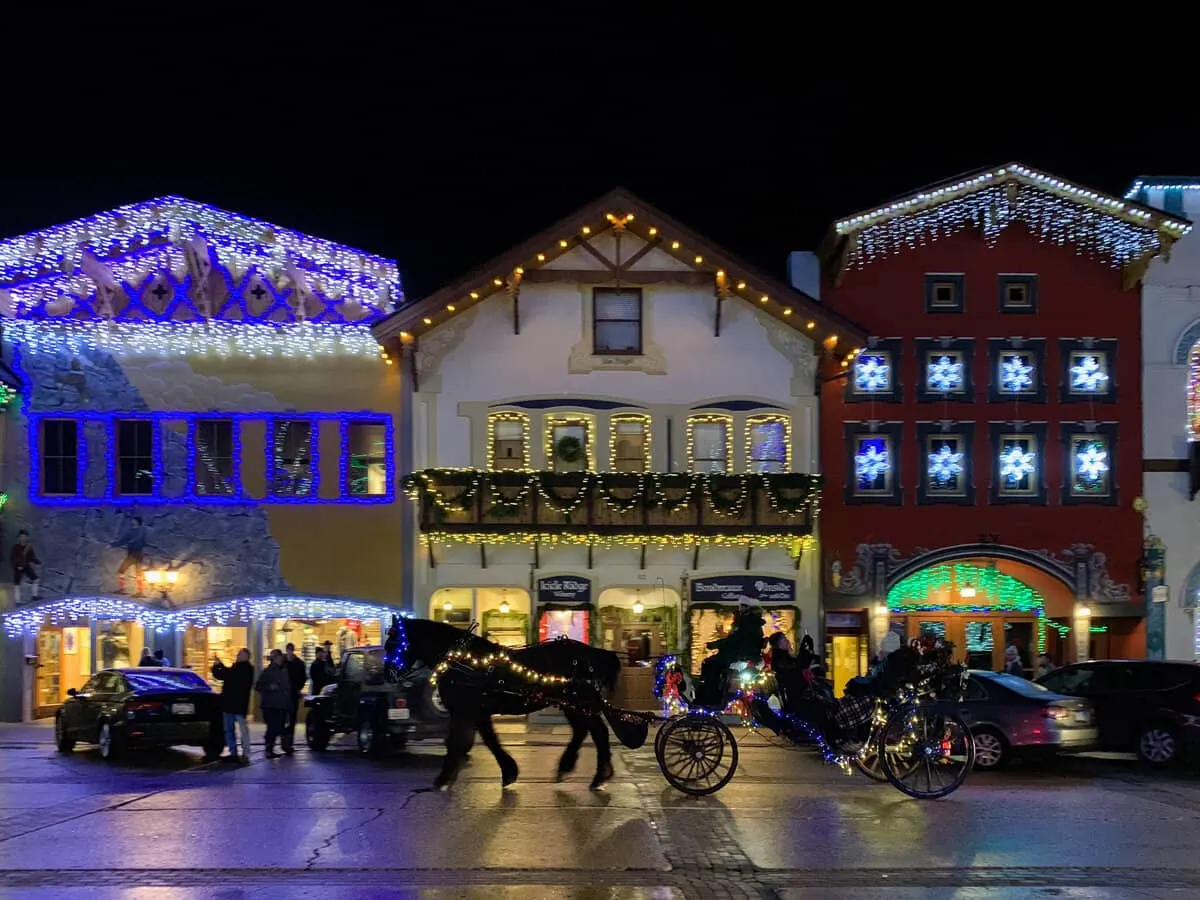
(220, 550)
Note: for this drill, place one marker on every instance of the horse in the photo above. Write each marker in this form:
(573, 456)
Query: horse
(563, 672)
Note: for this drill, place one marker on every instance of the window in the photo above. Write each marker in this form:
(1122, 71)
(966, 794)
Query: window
(292, 458)
(1090, 449)
(769, 443)
(1089, 373)
(872, 462)
(1017, 370)
(945, 369)
(944, 372)
(367, 463)
(617, 321)
(872, 372)
(945, 466)
(875, 372)
(60, 457)
(710, 440)
(1088, 370)
(508, 441)
(872, 466)
(570, 449)
(1018, 293)
(630, 449)
(944, 292)
(214, 457)
(1017, 465)
(135, 457)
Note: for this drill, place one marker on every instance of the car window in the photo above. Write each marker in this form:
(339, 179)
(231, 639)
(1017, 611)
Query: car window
(166, 681)
(91, 686)
(107, 683)
(352, 667)
(1160, 678)
(975, 690)
(373, 666)
(1073, 680)
(1019, 685)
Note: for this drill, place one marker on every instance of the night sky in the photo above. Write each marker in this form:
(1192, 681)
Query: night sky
(443, 138)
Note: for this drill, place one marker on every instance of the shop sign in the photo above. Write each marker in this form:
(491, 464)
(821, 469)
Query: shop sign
(731, 588)
(564, 589)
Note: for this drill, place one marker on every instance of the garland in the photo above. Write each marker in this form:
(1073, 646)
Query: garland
(622, 505)
(716, 491)
(672, 482)
(549, 483)
(776, 484)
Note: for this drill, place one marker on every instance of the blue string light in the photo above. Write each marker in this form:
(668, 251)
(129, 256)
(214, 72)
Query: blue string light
(190, 496)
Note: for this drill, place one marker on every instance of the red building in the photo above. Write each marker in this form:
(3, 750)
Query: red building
(983, 452)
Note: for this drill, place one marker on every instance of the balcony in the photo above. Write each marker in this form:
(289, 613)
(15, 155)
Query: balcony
(616, 508)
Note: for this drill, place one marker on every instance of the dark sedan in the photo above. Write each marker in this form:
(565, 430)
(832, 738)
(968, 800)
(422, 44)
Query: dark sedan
(119, 709)
(1009, 716)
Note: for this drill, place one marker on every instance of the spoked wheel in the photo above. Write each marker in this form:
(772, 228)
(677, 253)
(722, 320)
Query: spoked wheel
(697, 754)
(869, 760)
(928, 751)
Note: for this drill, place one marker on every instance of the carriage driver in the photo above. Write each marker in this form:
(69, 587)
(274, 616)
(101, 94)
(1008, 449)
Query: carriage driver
(744, 643)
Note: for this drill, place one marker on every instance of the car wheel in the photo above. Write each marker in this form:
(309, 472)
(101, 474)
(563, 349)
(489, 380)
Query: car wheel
(316, 732)
(1158, 746)
(371, 740)
(991, 751)
(110, 744)
(64, 743)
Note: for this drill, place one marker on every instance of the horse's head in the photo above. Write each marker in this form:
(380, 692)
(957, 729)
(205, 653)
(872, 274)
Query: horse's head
(431, 641)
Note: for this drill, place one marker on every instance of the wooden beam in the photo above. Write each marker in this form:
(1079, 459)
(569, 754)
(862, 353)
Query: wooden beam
(633, 260)
(589, 562)
(799, 557)
(412, 366)
(516, 297)
(749, 555)
(695, 556)
(608, 263)
(596, 276)
(717, 316)
(1164, 465)
(642, 562)
(432, 559)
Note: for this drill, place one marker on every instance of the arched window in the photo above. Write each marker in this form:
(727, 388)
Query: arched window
(1193, 392)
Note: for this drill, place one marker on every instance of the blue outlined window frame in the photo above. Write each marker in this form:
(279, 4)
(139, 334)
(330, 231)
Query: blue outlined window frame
(964, 433)
(235, 478)
(1107, 348)
(314, 455)
(107, 422)
(930, 347)
(892, 350)
(112, 459)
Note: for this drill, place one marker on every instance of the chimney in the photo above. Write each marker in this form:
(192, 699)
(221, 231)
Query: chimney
(804, 272)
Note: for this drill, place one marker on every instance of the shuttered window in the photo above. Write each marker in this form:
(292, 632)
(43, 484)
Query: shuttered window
(617, 321)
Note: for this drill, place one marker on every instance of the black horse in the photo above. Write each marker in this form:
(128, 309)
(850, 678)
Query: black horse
(564, 673)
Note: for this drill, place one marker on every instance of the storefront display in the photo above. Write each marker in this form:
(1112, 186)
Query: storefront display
(564, 608)
(711, 623)
(639, 635)
(508, 629)
(569, 623)
(201, 644)
(64, 661)
(309, 634)
(119, 644)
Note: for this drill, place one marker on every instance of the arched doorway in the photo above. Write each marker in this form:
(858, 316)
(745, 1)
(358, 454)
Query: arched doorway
(983, 606)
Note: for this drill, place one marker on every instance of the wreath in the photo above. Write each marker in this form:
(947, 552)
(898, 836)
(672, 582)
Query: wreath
(569, 448)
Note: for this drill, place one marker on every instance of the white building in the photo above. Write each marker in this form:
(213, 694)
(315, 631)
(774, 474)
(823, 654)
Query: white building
(614, 427)
(1171, 410)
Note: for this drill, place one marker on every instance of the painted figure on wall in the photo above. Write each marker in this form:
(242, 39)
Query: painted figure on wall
(133, 542)
(24, 558)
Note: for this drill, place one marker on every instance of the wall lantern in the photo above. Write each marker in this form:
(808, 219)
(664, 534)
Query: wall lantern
(162, 580)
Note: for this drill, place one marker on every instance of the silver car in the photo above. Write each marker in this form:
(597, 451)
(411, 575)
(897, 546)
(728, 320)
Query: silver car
(1009, 716)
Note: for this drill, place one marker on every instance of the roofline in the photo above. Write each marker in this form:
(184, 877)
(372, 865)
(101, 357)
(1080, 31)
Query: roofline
(1162, 182)
(481, 279)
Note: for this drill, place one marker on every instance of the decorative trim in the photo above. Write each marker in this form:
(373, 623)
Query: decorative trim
(1036, 430)
(928, 350)
(935, 279)
(583, 358)
(796, 349)
(647, 439)
(965, 432)
(892, 433)
(768, 419)
(1036, 348)
(434, 345)
(738, 405)
(526, 435)
(692, 422)
(892, 350)
(568, 418)
(1106, 349)
(1187, 340)
(576, 402)
(1030, 283)
(1069, 433)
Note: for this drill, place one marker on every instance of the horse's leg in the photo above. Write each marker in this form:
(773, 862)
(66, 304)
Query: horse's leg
(604, 766)
(570, 756)
(458, 741)
(487, 733)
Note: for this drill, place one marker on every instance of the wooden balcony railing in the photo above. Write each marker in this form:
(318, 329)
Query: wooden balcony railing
(470, 501)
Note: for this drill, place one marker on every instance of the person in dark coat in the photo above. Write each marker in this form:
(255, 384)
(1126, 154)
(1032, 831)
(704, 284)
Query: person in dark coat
(236, 683)
(744, 643)
(320, 672)
(274, 687)
(297, 677)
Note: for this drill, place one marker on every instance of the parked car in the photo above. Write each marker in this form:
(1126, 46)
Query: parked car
(1145, 706)
(383, 715)
(120, 709)
(1009, 716)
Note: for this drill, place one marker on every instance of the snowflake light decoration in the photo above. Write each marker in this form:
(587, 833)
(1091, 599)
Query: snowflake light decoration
(871, 461)
(1015, 374)
(945, 465)
(872, 373)
(1091, 463)
(945, 374)
(1088, 375)
(1016, 463)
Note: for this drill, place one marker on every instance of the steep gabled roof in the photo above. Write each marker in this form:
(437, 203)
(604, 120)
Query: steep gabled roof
(622, 211)
(1121, 232)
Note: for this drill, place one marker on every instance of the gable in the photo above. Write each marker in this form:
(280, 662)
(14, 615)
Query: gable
(1121, 233)
(620, 239)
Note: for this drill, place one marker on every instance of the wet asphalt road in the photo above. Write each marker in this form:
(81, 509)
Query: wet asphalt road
(335, 826)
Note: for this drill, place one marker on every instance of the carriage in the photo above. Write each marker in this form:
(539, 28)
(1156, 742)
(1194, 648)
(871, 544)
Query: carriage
(907, 733)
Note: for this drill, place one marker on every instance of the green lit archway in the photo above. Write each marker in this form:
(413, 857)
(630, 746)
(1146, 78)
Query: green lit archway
(939, 589)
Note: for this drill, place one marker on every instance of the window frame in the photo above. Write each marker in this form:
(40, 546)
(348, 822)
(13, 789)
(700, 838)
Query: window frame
(1000, 432)
(955, 280)
(194, 428)
(314, 466)
(710, 419)
(929, 348)
(80, 455)
(614, 441)
(1072, 433)
(1035, 348)
(759, 419)
(570, 420)
(640, 322)
(929, 433)
(1026, 280)
(347, 458)
(892, 349)
(494, 419)
(1069, 349)
(155, 456)
(891, 434)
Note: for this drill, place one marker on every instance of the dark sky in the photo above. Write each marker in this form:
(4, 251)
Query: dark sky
(444, 133)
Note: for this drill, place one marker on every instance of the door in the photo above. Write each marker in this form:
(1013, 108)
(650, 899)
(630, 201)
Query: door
(1022, 634)
(1105, 686)
(847, 656)
(77, 710)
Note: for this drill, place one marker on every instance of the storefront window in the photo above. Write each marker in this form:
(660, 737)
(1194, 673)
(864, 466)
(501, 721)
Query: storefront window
(639, 636)
(64, 657)
(568, 623)
(309, 634)
(119, 644)
(201, 644)
(713, 623)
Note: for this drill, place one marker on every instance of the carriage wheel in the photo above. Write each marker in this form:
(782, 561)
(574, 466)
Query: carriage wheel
(658, 741)
(929, 751)
(697, 754)
(869, 759)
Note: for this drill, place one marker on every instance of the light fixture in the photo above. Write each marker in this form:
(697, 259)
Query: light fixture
(505, 609)
(448, 606)
(967, 591)
(881, 609)
(1085, 612)
(638, 607)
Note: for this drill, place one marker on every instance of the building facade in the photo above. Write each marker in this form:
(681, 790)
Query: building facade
(202, 454)
(1171, 417)
(613, 436)
(982, 451)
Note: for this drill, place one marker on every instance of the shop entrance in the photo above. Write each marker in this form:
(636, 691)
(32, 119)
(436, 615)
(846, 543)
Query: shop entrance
(980, 639)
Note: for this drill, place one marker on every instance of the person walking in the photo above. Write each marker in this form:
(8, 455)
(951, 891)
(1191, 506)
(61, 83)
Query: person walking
(275, 698)
(320, 672)
(297, 678)
(236, 683)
